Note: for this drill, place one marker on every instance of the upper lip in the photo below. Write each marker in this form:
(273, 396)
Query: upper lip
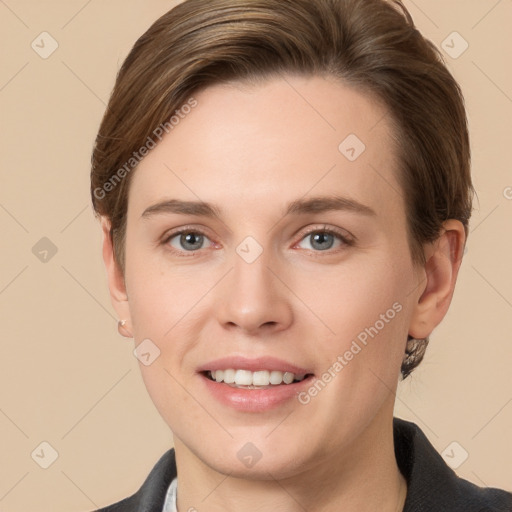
(253, 365)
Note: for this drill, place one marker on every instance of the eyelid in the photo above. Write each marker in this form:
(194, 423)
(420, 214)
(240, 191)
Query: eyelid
(183, 229)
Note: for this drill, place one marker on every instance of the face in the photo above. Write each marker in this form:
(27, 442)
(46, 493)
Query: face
(299, 269)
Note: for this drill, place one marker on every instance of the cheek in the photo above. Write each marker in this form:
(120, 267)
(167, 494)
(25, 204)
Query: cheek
(158, 295)
(166, 308)
(169, 306)
(162, 304)
(351, 297)
(366, 309)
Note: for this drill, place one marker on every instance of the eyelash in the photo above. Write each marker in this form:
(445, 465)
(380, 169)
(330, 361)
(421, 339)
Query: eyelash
(346, 241)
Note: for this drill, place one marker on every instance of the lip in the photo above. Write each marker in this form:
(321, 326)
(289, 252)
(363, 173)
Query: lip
(254, 400)
(253, 365)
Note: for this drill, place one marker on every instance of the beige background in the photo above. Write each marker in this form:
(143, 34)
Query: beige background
(69, 379)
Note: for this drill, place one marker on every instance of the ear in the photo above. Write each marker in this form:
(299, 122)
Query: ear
(116, 283)
(443, 259)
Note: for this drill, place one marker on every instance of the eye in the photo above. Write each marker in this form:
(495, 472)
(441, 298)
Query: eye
(324, 239)
(186, 240)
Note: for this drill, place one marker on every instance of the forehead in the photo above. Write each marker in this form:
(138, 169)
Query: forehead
(257, 145)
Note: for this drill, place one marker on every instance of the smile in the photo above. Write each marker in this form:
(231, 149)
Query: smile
(254, 380)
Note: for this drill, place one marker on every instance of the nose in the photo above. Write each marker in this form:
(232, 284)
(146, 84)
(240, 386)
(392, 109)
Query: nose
(253, 298)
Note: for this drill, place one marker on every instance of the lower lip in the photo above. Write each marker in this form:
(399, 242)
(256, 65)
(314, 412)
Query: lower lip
(255, 400)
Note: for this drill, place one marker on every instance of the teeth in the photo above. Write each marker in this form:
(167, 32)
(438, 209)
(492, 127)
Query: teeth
(276, 377)
(243, 378)
(229, 376)
(288, 377)
(259, 378)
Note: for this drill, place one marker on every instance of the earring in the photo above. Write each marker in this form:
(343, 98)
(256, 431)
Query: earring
(123, 330)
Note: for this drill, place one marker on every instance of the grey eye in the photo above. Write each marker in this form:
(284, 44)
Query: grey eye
(188, 241)
(320, 240)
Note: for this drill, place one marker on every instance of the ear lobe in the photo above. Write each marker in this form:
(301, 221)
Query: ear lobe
(444, 257)
(116, 282)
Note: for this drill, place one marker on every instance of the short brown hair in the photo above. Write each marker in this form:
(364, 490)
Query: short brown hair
(369, 44)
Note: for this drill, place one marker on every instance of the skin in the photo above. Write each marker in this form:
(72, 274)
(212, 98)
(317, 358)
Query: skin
(252, 149)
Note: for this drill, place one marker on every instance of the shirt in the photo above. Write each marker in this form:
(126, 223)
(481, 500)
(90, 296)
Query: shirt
(432, 486)
(170, 497)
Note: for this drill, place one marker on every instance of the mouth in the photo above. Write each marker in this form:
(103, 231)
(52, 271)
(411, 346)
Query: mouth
(261, 379)
(254, 385)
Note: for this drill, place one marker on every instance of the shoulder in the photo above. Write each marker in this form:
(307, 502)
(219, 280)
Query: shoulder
(432, 485)
(151, 495)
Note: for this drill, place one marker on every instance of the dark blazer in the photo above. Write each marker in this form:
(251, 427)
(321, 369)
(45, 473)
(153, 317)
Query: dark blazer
(432, 485)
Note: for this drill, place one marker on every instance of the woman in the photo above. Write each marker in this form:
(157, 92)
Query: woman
(284, 190)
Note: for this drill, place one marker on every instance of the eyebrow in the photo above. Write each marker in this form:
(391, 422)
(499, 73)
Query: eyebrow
(299, 206)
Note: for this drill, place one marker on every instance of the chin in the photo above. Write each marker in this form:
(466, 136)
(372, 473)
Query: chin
(258, 460)
(265, 469)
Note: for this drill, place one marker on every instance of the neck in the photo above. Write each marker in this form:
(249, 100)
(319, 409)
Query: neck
(363, 478)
